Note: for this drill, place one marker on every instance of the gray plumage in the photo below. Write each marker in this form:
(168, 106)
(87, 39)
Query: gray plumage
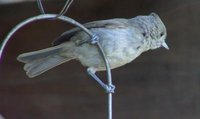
(122, 40)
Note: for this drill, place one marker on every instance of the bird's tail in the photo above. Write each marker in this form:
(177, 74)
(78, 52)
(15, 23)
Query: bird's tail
(40, 61)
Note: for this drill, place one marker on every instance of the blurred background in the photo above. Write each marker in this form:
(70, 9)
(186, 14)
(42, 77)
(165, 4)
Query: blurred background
(159, 84)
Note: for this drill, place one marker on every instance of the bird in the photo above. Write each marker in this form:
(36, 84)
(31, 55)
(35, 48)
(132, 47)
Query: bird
(122, 40)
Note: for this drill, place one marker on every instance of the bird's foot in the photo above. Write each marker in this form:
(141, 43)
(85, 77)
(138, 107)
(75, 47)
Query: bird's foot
(108, 88)
(94, 39)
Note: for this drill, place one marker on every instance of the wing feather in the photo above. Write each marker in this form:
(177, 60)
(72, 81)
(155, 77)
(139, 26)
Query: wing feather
(110, 24)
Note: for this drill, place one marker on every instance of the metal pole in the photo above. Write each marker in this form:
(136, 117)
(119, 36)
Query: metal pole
(72, 21)
(69, 20)
(109, 80)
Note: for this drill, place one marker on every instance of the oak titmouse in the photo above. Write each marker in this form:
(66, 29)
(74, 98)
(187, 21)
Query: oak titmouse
(122, 41)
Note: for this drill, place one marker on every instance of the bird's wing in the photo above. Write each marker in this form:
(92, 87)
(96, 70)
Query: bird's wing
(110, 24)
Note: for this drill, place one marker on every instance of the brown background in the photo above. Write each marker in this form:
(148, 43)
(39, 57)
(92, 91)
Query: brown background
(160, 84)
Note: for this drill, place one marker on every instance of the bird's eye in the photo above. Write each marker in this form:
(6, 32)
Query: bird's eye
(144, 34)
(161, 34)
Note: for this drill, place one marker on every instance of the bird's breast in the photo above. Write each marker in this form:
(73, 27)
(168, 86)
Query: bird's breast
(120, 47)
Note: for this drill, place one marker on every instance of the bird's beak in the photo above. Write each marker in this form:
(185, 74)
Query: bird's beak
(165, 45)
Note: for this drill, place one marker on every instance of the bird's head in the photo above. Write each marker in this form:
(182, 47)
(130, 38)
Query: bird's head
(153, 30)
(157, 32)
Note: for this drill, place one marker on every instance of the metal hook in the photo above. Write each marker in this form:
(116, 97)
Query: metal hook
(40, 6)
(62, 12)
(94, 40)
(65, 8)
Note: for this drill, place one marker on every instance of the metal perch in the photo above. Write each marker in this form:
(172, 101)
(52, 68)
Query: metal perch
(94, 40)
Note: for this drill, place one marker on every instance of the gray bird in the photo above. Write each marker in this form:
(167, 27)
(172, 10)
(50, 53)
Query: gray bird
(121, 39)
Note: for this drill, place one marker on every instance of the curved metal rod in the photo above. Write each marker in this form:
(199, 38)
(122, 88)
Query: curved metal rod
(36, 18)
(71, 21)
(63, 18)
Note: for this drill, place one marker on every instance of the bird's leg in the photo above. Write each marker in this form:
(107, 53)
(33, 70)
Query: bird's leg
(109, 88)
(91, 71)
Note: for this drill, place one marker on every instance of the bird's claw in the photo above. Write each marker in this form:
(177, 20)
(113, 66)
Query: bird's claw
(94, 39)
(110, 88)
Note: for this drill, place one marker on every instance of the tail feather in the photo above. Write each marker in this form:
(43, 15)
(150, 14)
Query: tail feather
(30, 56)
(38, 62)
(40, 66)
